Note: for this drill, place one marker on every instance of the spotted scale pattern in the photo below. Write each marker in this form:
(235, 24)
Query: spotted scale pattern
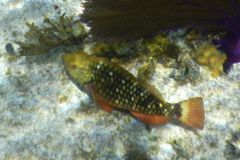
(122, 90)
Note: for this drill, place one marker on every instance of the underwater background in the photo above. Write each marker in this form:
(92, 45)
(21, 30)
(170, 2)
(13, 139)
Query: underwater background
(43, 115)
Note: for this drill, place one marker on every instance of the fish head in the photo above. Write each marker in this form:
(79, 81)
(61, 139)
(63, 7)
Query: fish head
(77, 67)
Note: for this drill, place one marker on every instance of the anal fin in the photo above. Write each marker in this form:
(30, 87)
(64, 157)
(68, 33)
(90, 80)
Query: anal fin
(102, 103)
(98, 99)
(150, 119)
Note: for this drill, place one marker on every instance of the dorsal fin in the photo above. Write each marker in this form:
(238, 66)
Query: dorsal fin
(151, 89)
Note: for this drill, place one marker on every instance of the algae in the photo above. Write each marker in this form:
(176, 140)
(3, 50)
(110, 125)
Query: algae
(161, 45)
(118, 49)
(8, 72)
(65, 31)
(12, 58)
(146, 71)
(63, 98)
(186, 70)
(180, 151)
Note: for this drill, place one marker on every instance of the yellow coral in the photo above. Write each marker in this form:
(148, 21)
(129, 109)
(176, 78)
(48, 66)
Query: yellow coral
(210, 57)
(161, 45)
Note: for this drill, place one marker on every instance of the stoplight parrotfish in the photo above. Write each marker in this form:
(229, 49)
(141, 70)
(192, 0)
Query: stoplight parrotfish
(113, 87)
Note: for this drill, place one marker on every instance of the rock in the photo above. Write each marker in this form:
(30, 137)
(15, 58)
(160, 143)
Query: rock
(43, 115)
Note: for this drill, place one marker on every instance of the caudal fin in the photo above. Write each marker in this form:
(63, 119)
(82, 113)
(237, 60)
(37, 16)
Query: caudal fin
(192, 113)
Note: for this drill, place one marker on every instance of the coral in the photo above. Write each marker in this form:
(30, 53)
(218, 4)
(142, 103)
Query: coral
(157, 49)
(161, 45)
(210, 57)
(186, 70)
(64, 31)
(118, 49)
(110, 21)
(194, 36)
(152, 51)
(146, 71)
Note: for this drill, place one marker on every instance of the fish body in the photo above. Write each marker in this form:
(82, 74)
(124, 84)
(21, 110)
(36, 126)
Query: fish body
(111, 87)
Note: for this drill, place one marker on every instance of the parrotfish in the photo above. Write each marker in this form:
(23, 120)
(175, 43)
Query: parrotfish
(113, 87)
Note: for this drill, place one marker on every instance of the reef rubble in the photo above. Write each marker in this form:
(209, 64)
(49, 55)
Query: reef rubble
(43, 115)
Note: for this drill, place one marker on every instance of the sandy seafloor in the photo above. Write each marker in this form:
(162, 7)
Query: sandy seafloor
(44, 116)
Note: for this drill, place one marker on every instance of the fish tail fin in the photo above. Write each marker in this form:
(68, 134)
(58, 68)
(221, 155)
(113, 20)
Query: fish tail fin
(192, 113)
